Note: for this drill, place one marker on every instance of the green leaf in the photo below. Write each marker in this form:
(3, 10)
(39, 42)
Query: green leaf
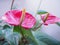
(41, 12)
(58, 23)
(13, 39)
(16, 29)
(27, 33)
(44, 39)
(4, 42)
(7, 26)
(3, 34)
(4, 26)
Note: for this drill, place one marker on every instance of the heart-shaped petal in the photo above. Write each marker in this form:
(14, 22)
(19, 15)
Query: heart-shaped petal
(29, 21)
(13, 17)
(50, 20)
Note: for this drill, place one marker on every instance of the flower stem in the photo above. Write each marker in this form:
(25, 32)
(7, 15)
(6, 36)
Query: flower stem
(23, 38)
(21, 32)
(35, 28)
(42, 23)
(12, 4)
(38, 26)
(36, 14)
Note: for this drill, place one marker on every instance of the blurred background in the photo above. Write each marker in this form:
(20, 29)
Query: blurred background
(52, 6)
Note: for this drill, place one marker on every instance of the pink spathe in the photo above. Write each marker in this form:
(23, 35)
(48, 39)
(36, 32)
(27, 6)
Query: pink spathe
(13, 18)
(50, 20)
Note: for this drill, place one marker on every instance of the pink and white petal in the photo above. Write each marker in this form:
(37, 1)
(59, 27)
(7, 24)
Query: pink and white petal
(57, 19)
(9, 18)
(13, 17)
(49, 22)
(29, 21)
(52, 20)
(49, 17)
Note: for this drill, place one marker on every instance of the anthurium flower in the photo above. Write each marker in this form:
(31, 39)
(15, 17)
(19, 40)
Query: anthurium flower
(51, 19)
(13, 17)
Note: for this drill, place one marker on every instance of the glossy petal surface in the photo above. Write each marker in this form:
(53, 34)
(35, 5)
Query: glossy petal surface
(51, 19)
(13, 17)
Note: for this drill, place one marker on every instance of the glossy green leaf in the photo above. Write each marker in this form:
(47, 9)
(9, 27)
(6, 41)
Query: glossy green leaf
(13, 39)
(1, 35)
(3, 40)
(44, 39)
(16, 29)
(29, 35)
(6, 43)
(6, 26)
(26, 33)
(10, 37)
(41, 12)
(58, 23)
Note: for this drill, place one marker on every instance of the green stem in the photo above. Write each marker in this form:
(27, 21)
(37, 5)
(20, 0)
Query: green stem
(23, 39)
(12, 4)
(38, 27)
(21, 31)
(35, 28)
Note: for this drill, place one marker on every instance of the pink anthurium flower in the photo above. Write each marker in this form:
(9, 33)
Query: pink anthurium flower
(51, 19)
(13, 17)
